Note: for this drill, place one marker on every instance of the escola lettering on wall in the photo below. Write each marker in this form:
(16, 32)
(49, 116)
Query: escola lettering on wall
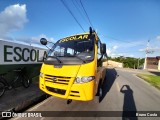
(14, 53)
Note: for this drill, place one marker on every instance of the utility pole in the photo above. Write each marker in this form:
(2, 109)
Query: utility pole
(138, 64)
(147, 51)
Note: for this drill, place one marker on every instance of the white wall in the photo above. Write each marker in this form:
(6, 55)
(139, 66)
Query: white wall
(159, 65)
(14, 53)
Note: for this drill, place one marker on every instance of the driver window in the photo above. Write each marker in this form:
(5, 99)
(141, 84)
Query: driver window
(70, 51)
(59, 51)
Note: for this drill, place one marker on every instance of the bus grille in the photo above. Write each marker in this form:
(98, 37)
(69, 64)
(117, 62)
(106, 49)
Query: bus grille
(57, 79)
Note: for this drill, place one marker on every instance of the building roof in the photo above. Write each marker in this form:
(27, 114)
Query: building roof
(158, 57)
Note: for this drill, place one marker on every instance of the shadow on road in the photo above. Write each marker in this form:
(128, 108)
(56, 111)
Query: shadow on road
(155, 72)
(129, 103)
(111, 75)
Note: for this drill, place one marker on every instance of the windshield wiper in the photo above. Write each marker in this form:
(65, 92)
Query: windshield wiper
(56, 58)
(80, 59)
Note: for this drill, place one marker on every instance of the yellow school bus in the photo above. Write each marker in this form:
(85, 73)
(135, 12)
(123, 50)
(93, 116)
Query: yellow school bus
(70, 69)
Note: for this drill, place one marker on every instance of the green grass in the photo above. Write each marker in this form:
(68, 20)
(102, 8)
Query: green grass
(152, 79)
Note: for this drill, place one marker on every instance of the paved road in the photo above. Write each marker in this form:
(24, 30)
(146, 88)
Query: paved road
(122, 91)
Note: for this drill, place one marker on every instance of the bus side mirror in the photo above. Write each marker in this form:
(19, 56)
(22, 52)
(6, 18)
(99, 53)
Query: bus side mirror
(103, 48)
(43, 41)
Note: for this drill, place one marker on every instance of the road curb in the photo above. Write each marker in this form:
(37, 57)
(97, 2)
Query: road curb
(141, 79)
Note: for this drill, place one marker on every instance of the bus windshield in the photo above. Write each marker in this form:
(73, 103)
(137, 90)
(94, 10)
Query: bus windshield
(80, 50)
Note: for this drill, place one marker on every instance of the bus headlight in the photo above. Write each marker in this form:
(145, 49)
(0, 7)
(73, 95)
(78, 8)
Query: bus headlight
(84, 79)
(41, 75)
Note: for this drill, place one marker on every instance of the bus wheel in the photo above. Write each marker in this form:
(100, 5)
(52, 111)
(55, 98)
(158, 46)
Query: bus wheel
(100, 93)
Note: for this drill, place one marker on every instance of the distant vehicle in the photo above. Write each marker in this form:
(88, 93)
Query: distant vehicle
(70, 69)
(141, 67)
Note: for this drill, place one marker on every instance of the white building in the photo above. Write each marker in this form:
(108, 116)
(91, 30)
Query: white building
(158, 57)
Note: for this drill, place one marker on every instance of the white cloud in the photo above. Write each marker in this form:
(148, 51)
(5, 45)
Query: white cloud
(108, 52)
(142, 50)
(133, 48)
(115, 47)
(37, 39)
(121, 54)
(34, 41)
(12, 18)
(131, 55)
(158, 37)
(132, 44)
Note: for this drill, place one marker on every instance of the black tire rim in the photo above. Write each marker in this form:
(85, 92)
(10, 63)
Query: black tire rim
(100, 92)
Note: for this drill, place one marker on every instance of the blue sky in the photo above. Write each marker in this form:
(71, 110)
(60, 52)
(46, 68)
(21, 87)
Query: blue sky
(124, 25)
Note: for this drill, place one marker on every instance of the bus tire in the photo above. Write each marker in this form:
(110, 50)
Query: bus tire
(100, 91)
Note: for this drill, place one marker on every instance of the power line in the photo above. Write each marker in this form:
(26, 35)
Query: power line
(72, 14)
(78, 7)
(116, 39)
(86, 14)
(128, 51)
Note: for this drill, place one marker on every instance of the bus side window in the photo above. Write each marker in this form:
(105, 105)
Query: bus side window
(70, 51)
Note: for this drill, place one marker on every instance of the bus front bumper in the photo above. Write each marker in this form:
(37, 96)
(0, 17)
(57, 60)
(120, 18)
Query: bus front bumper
(83, 91)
